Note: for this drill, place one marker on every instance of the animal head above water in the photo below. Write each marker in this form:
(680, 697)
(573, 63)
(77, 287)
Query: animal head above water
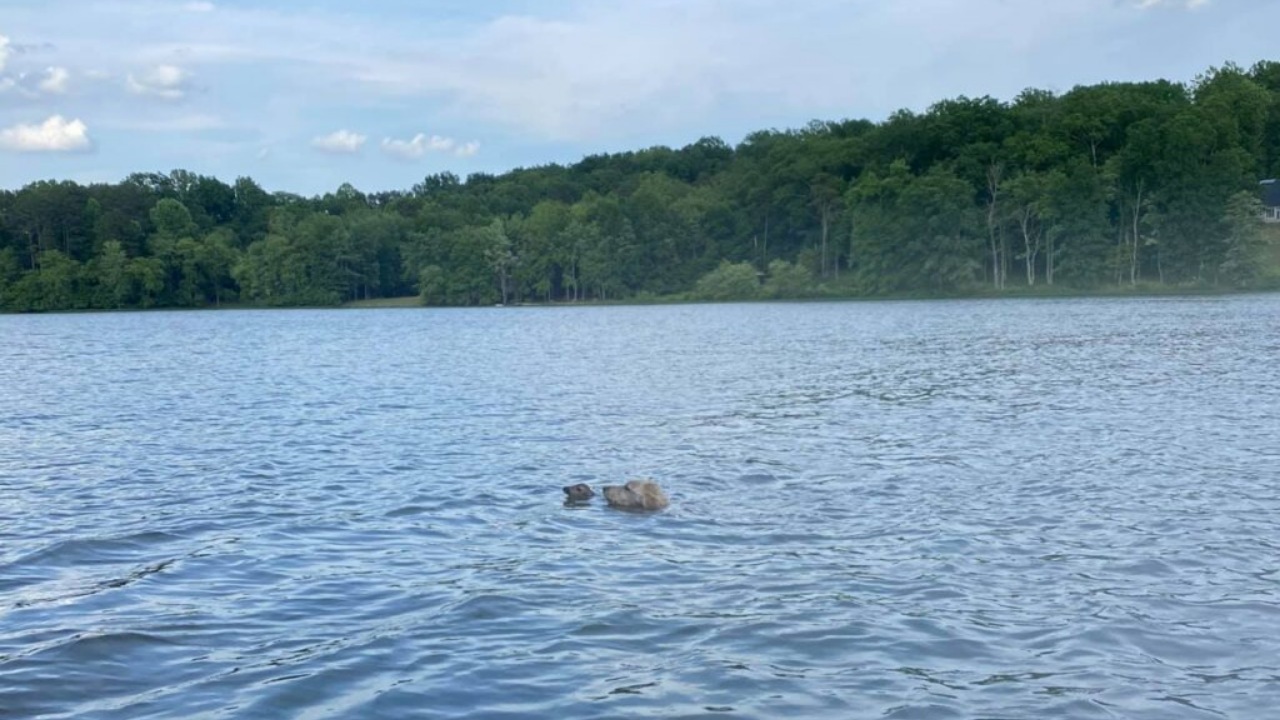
(636, 495)
(581, 492)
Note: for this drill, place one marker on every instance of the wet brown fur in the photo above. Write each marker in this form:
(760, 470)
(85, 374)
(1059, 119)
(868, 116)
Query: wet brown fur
(636, 495)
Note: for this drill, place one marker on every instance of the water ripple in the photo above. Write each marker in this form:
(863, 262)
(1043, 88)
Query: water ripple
(897, 510)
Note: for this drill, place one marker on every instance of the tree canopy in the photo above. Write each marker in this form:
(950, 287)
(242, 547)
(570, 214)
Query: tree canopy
(1116, 184)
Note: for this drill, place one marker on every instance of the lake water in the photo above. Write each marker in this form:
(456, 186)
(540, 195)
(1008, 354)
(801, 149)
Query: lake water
(963, 509)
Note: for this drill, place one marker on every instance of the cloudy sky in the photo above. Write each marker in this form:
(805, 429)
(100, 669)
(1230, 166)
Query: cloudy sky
(305, 95)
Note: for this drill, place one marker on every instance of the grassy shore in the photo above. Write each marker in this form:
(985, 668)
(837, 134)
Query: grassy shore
(395, 302)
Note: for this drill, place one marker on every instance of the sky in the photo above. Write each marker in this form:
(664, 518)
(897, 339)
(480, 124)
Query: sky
(304, 95)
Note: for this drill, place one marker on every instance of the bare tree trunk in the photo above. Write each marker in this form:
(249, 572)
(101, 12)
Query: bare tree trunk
(994, 173)
(1032, 248)
(1122, 238)
(825, 225)
(852, 244)
(1137, 236)
(1048, 260)
(33, 248)
(835, 263)
(1004, 258)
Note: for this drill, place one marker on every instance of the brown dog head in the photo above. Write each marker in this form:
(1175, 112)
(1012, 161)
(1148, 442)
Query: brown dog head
(581, 492)
(636, 495)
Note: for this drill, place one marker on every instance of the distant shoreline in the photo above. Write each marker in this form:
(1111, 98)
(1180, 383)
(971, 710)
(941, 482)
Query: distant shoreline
(413, 301)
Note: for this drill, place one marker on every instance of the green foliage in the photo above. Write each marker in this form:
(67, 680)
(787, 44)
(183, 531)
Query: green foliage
(729, 281)
(147, 275)
(56, 284)
(110, 273)
(1135, 184)
(915, 232)
(787, 281)
(432, 285)
(10, 275)
(1242, 262)
(172, 220)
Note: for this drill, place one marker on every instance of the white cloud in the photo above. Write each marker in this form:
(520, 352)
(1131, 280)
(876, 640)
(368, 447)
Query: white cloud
(53, 135)
(437, 143)
(421, 144)
(5, 50)
(1188, 4)
(406, 149)
(340, 142)
(55, 81)
(190, 122)
(199, 7)
(166, 81)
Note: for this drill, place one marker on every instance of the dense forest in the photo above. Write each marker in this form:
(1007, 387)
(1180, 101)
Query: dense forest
(1145, 185)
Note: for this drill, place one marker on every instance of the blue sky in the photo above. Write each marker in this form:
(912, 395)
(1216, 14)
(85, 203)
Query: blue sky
(303, 96)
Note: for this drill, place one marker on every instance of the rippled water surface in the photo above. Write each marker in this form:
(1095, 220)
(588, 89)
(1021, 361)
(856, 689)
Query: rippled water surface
(968, 509)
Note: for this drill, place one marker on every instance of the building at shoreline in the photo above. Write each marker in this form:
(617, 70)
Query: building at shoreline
(1270, 200)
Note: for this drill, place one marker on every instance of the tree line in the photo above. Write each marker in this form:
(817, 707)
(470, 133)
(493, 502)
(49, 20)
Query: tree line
(1116, 184)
